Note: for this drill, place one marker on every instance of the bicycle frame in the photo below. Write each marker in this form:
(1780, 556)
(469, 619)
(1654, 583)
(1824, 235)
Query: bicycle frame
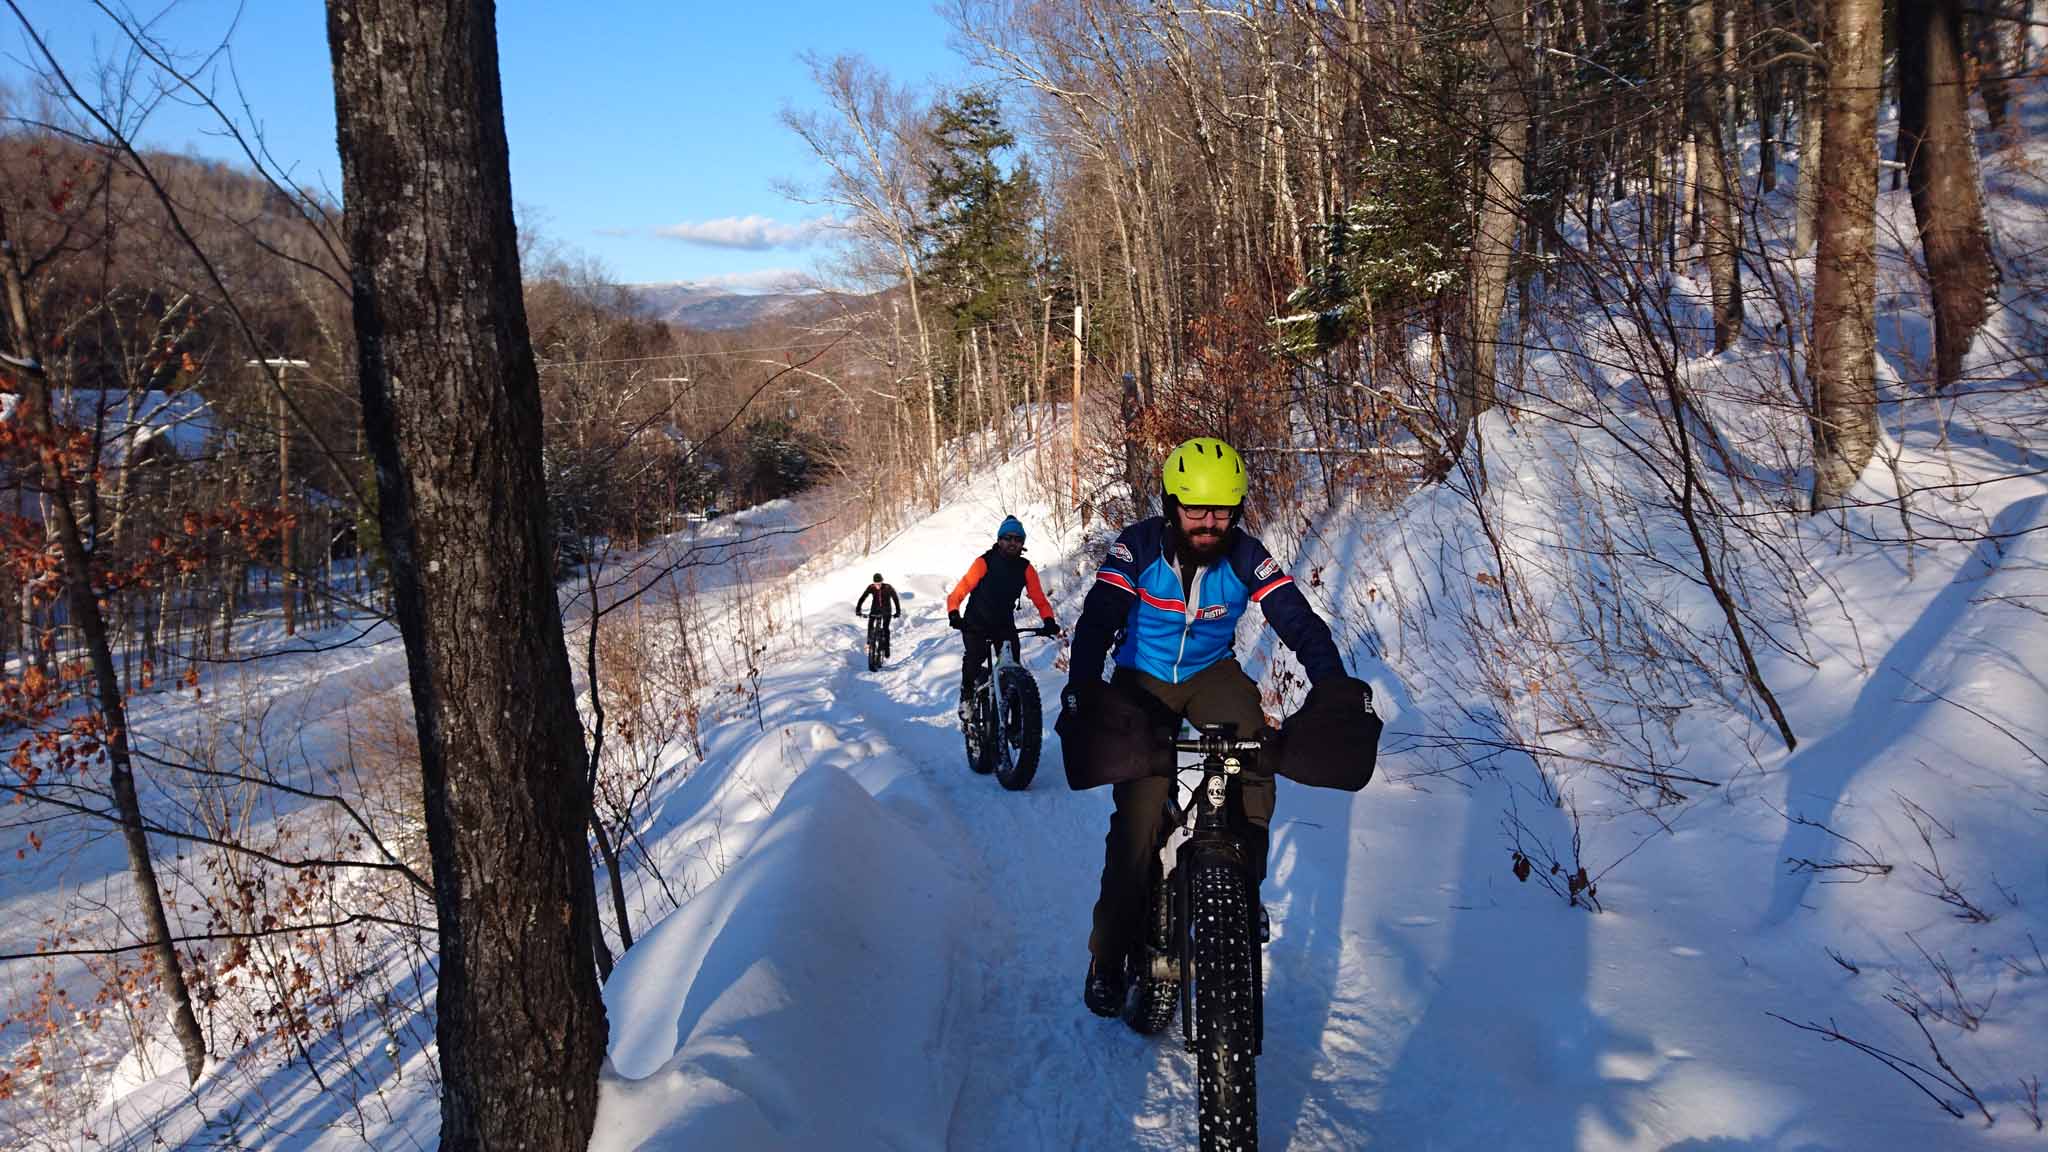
(1006, 654)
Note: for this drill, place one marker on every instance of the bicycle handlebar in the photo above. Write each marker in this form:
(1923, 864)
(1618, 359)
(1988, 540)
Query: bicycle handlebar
(1212, 738)
(1209, 744)
(1012, 630)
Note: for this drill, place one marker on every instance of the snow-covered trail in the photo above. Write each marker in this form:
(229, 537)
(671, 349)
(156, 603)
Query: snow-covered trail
(1039, 1070)
(1043, 1072)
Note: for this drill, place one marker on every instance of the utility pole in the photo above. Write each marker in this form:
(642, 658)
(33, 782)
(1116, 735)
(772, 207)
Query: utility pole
(284, 486)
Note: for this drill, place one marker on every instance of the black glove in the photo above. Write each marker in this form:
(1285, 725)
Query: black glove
(953, 618)
(858, 612)
(1051, 627)
(1332, 740)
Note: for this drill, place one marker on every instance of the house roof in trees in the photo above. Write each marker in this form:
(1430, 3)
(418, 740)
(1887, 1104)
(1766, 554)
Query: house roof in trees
(135, 424)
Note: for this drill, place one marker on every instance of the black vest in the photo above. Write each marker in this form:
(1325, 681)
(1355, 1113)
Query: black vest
(993, 603)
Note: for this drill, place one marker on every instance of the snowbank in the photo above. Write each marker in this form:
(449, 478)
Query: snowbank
(783, 1005)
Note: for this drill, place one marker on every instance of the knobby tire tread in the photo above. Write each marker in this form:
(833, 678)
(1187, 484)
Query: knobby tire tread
(1021, 691)
(1225, 967)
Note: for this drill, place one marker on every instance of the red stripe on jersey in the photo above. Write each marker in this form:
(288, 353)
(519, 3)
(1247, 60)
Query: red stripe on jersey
(1115, 579)
(1269, 586)
(1166, 605)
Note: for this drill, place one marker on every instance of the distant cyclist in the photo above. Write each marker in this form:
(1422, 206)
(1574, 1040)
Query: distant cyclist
(990, 589)
(886, 607)
(1169, 596)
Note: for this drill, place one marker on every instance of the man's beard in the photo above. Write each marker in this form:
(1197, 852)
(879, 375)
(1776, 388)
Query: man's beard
(1205, 543)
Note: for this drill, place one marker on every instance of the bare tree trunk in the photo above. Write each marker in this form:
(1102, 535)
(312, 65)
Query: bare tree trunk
(92, 627)
(620, 912)
(1689, 207)
(1134, 470)
(1941, 172)
(1500, 211)
(1811, 115)
(1842, 356)
(1767, 130)
(931, 382)
(1722, 237)
(451, 412)
(1988, 46)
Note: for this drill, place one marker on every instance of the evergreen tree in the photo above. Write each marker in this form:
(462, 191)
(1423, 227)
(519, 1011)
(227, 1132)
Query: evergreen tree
(978, 238)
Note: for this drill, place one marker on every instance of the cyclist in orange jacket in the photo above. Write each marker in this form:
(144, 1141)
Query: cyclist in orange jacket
(990, 590)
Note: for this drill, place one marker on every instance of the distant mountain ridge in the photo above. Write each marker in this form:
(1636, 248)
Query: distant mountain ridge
(705, 308)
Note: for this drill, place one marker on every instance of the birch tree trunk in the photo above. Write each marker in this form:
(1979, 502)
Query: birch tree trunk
(1721, 237)
(1811, 114)
(1842, 355)
(1500, 210)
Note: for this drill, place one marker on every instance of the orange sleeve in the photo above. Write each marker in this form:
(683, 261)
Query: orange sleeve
(975, 572)
(1036, 593)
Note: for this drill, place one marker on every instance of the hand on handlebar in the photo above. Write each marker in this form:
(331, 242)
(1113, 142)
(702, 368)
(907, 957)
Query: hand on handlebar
(953, 619)
(1050, 628)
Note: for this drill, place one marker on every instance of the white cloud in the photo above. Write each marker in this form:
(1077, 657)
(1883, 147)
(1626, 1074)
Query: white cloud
(753, 233)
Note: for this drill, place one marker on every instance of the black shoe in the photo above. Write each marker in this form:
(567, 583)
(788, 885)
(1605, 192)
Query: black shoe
(1104, 991)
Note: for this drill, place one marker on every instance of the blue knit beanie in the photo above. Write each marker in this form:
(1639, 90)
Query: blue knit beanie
(1011, 527)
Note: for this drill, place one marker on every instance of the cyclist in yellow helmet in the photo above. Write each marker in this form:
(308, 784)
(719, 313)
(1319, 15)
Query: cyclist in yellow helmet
(1169, 595)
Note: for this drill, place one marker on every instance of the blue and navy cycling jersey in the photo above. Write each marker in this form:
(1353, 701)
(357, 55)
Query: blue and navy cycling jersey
(1171, 629)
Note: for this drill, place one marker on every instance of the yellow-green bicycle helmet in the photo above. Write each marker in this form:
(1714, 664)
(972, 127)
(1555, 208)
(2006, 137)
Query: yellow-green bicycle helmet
(1206, 472)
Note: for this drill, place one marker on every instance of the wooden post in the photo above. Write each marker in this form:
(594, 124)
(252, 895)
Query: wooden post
(284, 484)
(1077, 407)
(284, 497)
(1045, 387)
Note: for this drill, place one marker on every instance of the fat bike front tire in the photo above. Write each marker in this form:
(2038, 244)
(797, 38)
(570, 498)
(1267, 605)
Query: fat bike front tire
(1024, 717)
(1225, 963)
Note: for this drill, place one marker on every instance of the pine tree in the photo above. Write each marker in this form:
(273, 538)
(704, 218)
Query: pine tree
(978, 239)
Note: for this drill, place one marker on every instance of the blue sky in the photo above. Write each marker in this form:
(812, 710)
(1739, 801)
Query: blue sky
(643, 132)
